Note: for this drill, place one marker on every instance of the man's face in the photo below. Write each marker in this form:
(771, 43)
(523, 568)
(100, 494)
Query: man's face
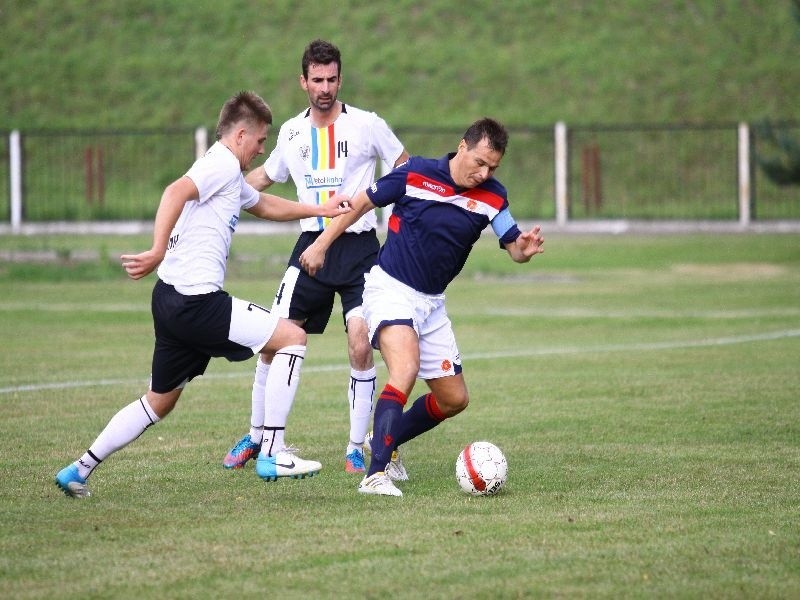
(252, 143)
(322, 85)
(472, 166)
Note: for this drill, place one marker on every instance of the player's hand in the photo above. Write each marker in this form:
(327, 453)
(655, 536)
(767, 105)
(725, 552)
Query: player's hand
(312, 259)
(528, 244)
(142, 264)
(338, 204)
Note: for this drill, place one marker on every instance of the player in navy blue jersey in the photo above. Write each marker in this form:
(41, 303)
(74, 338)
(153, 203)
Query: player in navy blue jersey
(441, 206)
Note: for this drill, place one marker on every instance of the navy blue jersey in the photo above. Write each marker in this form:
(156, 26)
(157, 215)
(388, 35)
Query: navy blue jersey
(435, 223)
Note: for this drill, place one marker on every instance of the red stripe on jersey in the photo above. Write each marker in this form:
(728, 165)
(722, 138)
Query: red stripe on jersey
(478, 483)
(436, 187)
(331, 147)
(485, 196)
(394, 223)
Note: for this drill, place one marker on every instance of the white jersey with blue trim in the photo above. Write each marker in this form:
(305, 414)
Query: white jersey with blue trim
(435, 223)
(197, 254)
(339, 158)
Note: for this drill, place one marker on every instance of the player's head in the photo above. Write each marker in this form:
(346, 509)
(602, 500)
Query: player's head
(321, 78)
(479, 153)
(242, 125)
(494, 133)
(245, 107)
(320, 52)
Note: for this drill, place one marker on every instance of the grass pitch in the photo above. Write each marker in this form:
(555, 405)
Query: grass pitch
(644, 391)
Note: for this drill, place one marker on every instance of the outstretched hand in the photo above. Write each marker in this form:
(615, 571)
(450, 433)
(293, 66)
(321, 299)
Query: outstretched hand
(338, 204)
(142, 264)
(527, 245)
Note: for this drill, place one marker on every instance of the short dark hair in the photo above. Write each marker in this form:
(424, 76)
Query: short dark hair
(245, 106)
(320, 52)
(492, 130)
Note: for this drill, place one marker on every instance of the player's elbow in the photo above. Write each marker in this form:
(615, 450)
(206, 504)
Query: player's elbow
(258, 179)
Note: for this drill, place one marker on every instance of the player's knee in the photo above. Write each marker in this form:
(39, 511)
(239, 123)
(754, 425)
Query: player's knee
(361, 357)
(298, 336)
(461, 403)
(452, 404)
(286, 334)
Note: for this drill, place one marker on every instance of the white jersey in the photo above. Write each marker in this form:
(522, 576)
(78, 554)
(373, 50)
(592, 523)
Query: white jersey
(198, 245)
(339, 158)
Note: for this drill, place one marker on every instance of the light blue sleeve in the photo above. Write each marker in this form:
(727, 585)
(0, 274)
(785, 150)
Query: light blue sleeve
(503, 222)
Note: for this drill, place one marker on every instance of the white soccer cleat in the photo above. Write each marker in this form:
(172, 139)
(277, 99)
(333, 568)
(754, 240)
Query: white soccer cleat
(285, 464)
(378, 484)
(395, 469)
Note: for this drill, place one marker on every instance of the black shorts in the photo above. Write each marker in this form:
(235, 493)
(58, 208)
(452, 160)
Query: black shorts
(189, 331)
(310, 299)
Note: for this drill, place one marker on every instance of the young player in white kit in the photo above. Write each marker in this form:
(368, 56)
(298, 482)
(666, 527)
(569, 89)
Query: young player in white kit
(194, 318)
(330, 147)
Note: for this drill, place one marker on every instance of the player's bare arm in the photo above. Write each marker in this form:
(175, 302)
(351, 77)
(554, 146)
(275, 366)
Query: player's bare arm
(313, 257)
(275, 208)
(401, 159)
(259, 179)
(526, 246)
(174, 198)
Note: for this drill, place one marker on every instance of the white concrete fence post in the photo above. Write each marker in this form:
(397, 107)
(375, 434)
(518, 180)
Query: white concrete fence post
(200, 142)
(15, 175)
(561, 173)
(744, 174)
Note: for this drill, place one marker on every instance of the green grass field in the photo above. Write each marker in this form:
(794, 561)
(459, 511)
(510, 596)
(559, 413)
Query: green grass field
(644, 389)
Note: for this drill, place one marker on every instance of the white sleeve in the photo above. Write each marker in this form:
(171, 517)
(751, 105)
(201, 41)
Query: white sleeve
(249, 195)
(385, 142)
(209, 176)
(275, 166)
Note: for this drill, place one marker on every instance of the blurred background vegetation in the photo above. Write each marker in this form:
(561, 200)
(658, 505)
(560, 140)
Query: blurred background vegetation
(107, 94)
(165, 63)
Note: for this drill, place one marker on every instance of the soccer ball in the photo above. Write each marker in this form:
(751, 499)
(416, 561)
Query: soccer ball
(481, 469)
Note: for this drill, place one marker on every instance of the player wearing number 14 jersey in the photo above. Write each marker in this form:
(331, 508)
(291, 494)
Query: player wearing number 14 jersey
(329, 147)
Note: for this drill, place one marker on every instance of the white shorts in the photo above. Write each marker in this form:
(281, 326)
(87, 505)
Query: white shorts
(251, 324)
(190, 330)
(387, 301)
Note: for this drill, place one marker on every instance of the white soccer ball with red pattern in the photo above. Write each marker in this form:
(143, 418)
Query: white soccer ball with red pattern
(481, 469)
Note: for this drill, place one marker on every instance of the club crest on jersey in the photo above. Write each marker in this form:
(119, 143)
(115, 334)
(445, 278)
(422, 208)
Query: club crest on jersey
(472, 204)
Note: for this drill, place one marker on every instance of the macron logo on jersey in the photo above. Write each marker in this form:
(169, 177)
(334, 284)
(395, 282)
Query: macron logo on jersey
(431, 186)
(476, 200)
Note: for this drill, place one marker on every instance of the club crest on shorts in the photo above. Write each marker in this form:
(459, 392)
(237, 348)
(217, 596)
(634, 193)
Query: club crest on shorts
(446, 365)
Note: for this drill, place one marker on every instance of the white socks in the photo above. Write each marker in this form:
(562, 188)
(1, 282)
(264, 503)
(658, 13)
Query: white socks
(123, 428)
(280, 390)
(268, 417)
(257, 401)
(360, 394)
